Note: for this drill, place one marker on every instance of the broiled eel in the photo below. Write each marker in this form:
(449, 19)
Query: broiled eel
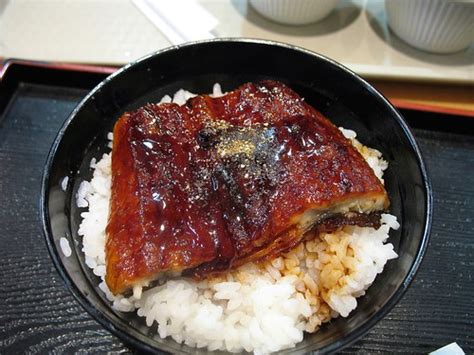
(218, 182)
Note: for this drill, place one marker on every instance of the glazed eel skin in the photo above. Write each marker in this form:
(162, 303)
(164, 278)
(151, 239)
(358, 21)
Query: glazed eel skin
(205, 187)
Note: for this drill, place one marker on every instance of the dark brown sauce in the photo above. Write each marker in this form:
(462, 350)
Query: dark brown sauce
(217, 179)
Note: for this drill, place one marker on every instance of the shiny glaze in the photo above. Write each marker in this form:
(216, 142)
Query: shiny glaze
(217, 182)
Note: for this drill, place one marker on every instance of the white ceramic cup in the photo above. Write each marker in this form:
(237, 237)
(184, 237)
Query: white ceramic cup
(294, 12)
(440, 26)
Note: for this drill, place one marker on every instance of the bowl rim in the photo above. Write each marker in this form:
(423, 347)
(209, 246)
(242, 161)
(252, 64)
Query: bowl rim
(130, 339)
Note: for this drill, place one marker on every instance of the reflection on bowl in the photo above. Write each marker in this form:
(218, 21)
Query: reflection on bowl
(294, 12)
(438, 26)
(339, 94)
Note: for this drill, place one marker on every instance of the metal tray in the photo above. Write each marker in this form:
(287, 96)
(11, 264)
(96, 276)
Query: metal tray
(37, 313)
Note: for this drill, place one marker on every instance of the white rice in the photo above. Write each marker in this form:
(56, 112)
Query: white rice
(64, 182)
(65, 248)
(259, 308)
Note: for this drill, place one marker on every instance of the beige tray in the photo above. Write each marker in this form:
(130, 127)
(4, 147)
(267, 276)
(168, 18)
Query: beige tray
(116, 32)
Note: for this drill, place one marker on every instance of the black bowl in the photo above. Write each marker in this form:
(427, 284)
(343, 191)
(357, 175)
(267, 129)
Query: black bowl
(341, 95)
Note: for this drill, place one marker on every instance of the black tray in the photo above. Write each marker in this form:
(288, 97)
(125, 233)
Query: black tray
(38, 314)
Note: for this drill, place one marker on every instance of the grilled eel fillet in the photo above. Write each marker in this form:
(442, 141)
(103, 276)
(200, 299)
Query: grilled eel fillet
(208, 186)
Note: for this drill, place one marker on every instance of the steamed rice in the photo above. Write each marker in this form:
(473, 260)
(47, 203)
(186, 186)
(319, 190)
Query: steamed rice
(259, 308)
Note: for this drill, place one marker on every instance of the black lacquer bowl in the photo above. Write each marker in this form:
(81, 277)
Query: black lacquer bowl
(342, 96)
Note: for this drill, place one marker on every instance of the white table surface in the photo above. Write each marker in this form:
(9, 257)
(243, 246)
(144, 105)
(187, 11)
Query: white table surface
(116, 32)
